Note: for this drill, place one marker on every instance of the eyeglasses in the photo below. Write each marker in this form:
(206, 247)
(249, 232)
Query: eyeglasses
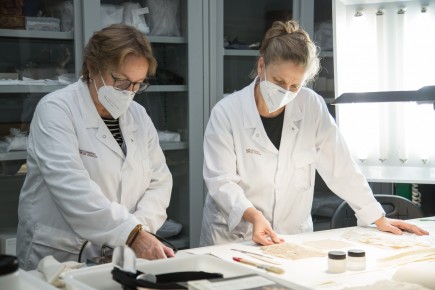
(124, 84)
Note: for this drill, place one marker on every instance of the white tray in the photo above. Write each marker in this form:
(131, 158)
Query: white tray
(99, 277)
(30, 282)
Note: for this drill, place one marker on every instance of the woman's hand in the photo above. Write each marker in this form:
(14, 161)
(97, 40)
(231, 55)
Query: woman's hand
(397, 226)
(262, 232)
(146, 246)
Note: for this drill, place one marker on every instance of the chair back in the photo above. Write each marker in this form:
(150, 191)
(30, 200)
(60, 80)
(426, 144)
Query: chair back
(395, 206)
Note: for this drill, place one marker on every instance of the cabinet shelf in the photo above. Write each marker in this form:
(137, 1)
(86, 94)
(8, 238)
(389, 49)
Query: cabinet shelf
(13, 155)
(241, 52)
(22, 155)
(29, 88)
(167, 88)
(166, 39)
(166, 146)
(328, 53)
(16, 33)
(51, 88)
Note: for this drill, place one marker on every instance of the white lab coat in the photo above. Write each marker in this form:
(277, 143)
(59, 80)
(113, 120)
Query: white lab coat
(242, 168)
(80, 185)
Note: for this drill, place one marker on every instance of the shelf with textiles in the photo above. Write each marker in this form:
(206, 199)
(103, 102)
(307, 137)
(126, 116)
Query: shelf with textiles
(13, 155)
(166, 39)
(16, 33)
(48, 88)
(42, 88)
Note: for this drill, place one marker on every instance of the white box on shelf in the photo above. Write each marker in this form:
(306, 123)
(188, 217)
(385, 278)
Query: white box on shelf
(8, 241)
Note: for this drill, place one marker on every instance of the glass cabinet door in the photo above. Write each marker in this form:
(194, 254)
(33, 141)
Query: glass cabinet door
(39, 59)
(38, 56)
(323, 37)
(244, 25)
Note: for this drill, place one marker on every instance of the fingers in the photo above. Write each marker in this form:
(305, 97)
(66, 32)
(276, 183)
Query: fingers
(411, 228)
(262, 240)
(396, 226)
(168, 252)
(274, 237)
(393, 229)
(266, 237)
(148, 247)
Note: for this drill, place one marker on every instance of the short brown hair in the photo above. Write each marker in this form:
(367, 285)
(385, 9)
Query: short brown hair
(286, 41)
(112, 44)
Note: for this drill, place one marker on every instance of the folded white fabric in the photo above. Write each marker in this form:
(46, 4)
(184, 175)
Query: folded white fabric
(52, 269)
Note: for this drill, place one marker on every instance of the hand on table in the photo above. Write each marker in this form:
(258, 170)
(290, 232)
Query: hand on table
(397, 226)
(146, 246)
(262, 232)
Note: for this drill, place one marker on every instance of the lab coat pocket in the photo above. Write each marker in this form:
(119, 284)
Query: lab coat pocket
(62, 245)
(304, 168)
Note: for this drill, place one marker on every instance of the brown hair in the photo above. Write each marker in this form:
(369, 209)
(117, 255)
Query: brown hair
(112, 44)
(286, 41)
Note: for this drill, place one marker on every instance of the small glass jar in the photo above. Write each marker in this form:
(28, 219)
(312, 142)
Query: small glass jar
(356, 260)
(336, 262)
(9, 274)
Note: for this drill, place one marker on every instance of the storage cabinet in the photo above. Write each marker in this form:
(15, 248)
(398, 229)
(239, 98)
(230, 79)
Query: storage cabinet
(174, 101)
(33, 63)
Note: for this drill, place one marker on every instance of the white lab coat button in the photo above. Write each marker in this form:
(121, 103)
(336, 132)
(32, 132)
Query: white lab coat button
(256, 135)
(131, 140)
(104, 136)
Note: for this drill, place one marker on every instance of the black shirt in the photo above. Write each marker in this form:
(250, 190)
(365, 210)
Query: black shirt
(273, 127)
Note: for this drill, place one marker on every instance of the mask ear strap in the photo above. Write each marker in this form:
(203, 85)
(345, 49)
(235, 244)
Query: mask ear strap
(102, 79)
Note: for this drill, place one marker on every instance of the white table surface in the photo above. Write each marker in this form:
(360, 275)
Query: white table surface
(312, 272)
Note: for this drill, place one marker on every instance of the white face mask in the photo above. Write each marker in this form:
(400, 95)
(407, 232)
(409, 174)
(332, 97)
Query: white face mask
(115, 101)
(275, 96)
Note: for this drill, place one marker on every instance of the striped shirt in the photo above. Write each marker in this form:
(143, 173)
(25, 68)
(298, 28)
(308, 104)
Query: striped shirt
(113, 126)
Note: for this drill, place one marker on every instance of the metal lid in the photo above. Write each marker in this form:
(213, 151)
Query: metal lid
(356, 253)
(337, 255)
(8, 264)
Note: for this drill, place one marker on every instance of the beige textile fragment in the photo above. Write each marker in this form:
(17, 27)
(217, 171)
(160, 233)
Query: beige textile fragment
(422, 273)
(408, 257)
(381, 239)
(389, 285)
(292, 251)
(328, 244)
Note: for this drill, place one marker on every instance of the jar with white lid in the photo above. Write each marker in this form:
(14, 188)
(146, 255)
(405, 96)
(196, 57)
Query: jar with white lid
(9, 273)
(336, 262)
(356, 260)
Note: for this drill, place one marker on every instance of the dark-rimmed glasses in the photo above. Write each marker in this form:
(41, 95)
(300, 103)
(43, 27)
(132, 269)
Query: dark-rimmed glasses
(124, 84)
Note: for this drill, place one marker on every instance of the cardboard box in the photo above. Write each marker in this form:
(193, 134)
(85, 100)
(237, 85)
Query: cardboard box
(8, 241)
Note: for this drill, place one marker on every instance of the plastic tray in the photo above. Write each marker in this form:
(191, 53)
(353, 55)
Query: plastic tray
(30, 282)
(99, 277)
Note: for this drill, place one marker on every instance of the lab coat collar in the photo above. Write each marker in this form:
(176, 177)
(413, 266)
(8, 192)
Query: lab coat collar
(90, 113)
(251, 117)
(93, 120)
(87, 107)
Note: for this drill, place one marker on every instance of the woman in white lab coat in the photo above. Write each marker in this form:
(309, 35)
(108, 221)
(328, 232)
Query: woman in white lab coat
(263, 144)
(96, 171)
